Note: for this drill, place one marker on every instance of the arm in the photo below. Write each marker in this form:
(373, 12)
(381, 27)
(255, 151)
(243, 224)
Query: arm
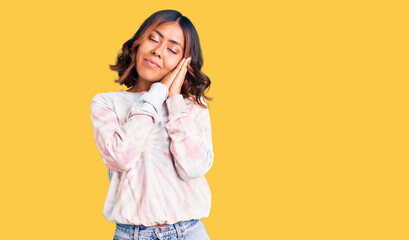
(122, 145)
(191, 138)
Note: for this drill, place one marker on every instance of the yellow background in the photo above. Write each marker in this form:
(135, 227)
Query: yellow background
(309, 118)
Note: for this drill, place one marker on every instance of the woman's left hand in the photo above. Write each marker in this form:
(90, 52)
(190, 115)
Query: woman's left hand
(177, 83)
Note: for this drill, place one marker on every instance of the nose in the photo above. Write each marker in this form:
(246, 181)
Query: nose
(158, 50)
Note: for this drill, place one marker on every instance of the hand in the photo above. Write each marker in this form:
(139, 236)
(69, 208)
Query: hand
(175, 78)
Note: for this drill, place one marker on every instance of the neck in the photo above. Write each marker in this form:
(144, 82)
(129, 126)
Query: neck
(141, 85)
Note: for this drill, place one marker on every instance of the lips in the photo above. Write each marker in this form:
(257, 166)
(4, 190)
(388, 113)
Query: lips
(152, 62)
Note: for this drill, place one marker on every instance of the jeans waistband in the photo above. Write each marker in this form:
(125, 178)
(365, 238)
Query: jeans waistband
(185, 224)
(163, 231)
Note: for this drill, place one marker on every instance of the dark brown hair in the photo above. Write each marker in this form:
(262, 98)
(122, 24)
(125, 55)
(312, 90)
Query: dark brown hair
(196, 81)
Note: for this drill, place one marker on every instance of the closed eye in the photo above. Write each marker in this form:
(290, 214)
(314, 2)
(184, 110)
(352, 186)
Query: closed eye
(152, 39)
(157, 41)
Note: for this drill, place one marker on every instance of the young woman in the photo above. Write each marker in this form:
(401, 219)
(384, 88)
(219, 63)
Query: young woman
(155, 138)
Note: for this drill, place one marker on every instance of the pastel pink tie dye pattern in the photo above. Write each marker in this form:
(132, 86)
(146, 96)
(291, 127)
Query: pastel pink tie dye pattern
(157, 151)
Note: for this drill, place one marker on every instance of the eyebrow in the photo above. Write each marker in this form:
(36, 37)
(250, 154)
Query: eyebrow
(173, 41)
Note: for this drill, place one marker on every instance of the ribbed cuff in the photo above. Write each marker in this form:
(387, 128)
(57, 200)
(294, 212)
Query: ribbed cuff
(152, 100)
(156, 95)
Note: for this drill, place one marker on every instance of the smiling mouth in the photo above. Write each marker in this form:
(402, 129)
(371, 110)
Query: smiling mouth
(151, 63)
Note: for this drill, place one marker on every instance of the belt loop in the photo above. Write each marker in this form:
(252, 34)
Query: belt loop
(179, 233)
(136, 232)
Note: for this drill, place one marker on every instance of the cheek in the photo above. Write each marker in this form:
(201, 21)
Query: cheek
(172, 64)
(143, 49)
(140, 56)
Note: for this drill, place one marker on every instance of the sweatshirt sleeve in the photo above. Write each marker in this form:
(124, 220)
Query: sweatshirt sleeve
(121, 145)
(191, 138)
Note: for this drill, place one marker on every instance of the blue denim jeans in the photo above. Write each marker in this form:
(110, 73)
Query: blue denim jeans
(185, 230)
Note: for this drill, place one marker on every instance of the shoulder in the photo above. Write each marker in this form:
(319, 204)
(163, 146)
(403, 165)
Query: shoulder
(104, 98)
(99, 98)
(199, 113)
(193, 106)
(109, 95)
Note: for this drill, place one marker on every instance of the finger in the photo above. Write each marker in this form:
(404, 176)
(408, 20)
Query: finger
(180, 65)
(187, 65)
(181, 70)
(187, 62)
(181, 74)
(170, 77)
(184, 69)
(177, 69)
(181, 62)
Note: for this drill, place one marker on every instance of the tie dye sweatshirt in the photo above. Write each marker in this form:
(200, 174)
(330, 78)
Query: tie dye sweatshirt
(157, 151)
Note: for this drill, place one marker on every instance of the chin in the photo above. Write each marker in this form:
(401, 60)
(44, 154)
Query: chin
(150, 78)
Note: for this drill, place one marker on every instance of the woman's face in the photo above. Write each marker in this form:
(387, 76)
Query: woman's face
(165, 46)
